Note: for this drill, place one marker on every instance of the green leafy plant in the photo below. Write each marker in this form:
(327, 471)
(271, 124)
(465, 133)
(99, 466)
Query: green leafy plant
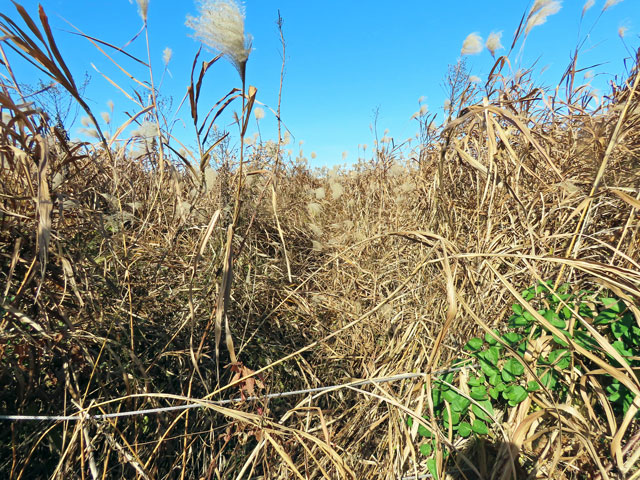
(609, 315)
(529, 358)
(623, 327)
(465, 415)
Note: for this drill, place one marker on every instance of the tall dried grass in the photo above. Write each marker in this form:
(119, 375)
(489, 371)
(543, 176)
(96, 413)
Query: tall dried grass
(120, 269)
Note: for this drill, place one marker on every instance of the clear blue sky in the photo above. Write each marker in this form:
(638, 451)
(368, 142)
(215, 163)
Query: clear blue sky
(344, 59)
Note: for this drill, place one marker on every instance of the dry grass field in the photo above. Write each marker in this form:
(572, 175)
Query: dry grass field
(484, 284)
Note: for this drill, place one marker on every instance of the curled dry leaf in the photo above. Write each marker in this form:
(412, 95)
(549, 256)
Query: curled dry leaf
(249, 385)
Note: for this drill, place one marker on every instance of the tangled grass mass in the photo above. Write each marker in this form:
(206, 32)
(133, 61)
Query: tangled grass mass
(472, 303)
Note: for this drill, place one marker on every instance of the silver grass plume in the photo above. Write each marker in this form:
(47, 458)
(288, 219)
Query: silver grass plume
(220, 27)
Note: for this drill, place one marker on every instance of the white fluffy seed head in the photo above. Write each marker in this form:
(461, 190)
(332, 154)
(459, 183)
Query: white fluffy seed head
(336, 190)
(396, 169)
(493, 42)
(220, 27)
(541, 10)
(472, 45)
(314, 209)
(143, 7)
(610, 3)
(146, 130)
(90, 132)
(587, 5)
(315, 230)
(167, 53)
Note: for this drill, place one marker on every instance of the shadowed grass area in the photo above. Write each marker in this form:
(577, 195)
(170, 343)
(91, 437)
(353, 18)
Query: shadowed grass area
(138, 273)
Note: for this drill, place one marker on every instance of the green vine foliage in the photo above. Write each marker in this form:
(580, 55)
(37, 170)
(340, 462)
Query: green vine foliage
(501, 379)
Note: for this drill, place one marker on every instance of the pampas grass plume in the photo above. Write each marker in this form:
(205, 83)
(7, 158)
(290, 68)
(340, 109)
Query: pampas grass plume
(167, 53)
(146, 130)
(143, 7)
(540, 11)
(90, 132)
(336, 190)
(472, 45)
(610, 3)
(588, 4)
(314, 209)
(396, 169)
(493, 42)
(220, 27)
(315, 229)
(210, 178)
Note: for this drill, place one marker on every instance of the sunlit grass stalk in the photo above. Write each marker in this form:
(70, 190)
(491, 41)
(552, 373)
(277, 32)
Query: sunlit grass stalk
(154, 101)
(280, 24)
(220, 27)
